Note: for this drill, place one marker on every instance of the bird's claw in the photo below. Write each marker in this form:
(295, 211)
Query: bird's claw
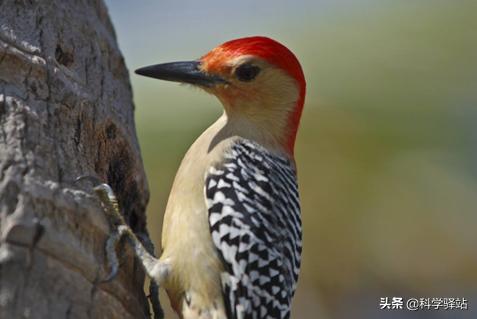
(116, 222)
(120, 229)
(110, 203)
(112, 257)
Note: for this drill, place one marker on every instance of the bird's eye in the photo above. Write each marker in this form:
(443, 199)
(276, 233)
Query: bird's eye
(247, 72)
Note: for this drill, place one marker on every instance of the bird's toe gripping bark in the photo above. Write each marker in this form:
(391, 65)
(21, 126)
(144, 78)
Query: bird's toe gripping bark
(155, 269)
(115, 220)
(112, 257)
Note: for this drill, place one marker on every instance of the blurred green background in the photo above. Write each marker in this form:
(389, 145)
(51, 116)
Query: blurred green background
(386, 153)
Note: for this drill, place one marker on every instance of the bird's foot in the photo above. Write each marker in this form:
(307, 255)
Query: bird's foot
(154, 268)
(117, 224)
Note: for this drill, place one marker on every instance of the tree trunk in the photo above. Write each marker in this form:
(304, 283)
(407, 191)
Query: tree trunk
(65, 110)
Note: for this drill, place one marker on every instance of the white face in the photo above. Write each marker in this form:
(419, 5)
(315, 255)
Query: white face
(257, 92)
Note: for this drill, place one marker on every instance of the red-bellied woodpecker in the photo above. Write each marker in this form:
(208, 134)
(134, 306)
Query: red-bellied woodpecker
(232, 236)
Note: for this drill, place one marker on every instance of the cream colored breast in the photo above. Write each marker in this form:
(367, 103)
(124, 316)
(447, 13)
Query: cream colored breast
(186, 239)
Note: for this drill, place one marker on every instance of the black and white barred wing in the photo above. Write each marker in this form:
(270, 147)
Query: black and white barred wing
(254, 217)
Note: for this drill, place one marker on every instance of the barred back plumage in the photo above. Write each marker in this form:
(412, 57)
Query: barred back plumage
(254, 218)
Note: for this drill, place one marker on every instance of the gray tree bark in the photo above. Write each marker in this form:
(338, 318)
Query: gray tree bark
(65, 110)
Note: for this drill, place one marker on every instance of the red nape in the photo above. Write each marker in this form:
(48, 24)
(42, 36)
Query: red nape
(274, 53)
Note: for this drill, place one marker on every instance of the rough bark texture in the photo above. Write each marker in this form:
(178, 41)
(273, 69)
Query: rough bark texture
(65, 110)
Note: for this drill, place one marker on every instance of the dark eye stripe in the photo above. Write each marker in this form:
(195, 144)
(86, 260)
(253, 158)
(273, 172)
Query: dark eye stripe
(247, 72)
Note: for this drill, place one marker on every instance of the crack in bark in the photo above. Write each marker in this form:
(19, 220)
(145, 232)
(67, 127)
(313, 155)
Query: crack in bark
(4, 55)
(68, 311)
(38, 234)
(25, 81)
(92, 293)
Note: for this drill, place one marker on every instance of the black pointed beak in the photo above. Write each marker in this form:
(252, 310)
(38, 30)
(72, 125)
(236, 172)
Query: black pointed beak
(184, 72)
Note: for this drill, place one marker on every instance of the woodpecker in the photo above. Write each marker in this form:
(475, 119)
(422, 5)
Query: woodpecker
(232, 235)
